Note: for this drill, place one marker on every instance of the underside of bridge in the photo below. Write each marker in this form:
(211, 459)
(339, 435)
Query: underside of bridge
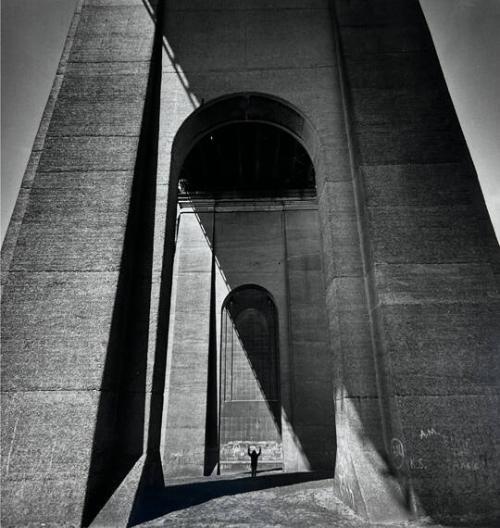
(249, 225)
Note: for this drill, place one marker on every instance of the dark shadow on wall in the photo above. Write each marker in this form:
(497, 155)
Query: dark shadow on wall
(183, 59)
(318, 446)
(119, 431)
(118, 439)
(204, 82)
(259, 343)
(211, 419)
(119, 436)
(249, 335)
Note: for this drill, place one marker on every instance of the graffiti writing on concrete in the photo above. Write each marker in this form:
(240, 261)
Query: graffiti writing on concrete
(399, 456)
(427, 433)
(457, 451)
(398, 453)
(464, 465)
(237, 451)
(416, 463)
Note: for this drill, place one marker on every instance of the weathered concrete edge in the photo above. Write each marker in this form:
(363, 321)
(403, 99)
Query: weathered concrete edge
(394, 511)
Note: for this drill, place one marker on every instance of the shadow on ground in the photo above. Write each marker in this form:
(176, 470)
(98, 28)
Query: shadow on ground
(154, 503)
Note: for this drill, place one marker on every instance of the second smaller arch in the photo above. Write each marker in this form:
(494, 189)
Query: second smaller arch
(250, 403)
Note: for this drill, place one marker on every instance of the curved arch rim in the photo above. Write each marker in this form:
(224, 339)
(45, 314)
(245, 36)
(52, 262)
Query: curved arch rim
(249, 286)
(198, 124)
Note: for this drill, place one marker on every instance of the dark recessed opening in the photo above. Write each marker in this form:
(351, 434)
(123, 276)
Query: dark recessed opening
(247, 159)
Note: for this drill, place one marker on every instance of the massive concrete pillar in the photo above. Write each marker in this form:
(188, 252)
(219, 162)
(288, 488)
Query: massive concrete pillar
(409, 257)
(430, 262)
(76, 283)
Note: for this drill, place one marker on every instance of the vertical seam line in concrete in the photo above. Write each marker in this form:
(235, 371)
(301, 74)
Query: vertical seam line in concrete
(382, 388)
(290, 396)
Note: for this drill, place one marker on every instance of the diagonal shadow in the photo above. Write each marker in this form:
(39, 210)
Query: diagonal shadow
(119, 431)
(198, 87)
(178, 497)
(266, 373)
(211, 418)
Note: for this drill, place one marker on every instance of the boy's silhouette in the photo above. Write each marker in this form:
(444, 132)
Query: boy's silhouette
(253, 460)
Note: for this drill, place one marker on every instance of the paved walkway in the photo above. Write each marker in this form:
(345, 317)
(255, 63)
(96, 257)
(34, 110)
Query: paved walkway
(278, 500)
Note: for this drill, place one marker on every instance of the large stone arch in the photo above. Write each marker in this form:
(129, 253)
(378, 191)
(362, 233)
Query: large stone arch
(259, 108)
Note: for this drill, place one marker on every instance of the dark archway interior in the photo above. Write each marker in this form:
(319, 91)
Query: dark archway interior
(247, 158)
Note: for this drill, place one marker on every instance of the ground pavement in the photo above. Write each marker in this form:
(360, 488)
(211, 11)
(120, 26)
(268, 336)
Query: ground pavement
(280, 500)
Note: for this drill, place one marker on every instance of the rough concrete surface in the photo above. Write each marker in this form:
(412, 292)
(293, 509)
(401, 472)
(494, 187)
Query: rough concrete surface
(241, 501)
(409, 261)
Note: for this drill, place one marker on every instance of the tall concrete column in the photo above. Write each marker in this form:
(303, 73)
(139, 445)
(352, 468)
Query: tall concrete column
(70, 269)
(430, 260)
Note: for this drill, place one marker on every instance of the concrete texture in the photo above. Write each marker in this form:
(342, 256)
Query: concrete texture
(62, 265)
(276, 246)
(430, 259)
(187, 370)
(410, 264)
(271, 499)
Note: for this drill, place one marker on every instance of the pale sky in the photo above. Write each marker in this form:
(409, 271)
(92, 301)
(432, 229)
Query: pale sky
(33, 34)
(466, 34)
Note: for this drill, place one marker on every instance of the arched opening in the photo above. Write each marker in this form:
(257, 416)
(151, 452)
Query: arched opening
(250, 402)
(245, 198)
(248, 107)
(247, 159)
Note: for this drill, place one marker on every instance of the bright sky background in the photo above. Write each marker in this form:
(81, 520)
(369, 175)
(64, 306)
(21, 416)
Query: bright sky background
(466, 34)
